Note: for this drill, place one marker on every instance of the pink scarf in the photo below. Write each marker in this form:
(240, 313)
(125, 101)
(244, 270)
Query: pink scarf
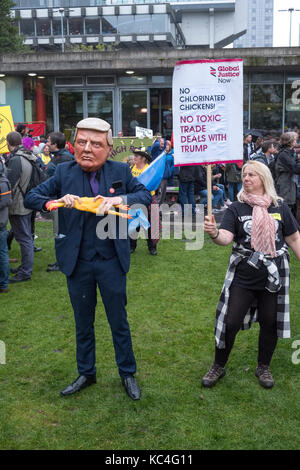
(263, 225)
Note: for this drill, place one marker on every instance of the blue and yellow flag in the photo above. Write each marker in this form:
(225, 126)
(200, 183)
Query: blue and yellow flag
(152, 176)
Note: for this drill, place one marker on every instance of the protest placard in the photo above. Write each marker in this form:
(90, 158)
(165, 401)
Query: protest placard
(208, 113)
(6, 126)
(142, 132)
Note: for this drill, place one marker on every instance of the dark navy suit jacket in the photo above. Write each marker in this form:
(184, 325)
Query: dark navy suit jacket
(69, 178)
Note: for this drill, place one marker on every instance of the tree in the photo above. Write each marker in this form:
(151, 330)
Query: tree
(10, 41)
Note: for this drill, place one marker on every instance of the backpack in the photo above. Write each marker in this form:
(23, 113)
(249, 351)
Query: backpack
(38, 175)
(5, 188)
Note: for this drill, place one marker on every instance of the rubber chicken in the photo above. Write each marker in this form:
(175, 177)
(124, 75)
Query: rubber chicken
(88, 204)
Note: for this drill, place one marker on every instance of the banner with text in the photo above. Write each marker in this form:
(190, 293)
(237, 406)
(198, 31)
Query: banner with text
(6, 126)
(208, 111)
(141, 132)
(124, 146)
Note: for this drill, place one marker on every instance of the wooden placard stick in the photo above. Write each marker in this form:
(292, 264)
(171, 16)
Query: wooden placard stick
(209, 192)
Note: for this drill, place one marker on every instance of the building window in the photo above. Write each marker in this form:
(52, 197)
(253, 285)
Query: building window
(266, 107)
(292, 108)
(27, 27)
(70, 110)
(143, 24)
(92, 26)
(161, 111)
(126, 24)
(132, 80)
(75, 26)
(160, 25)
(161, 79)
(134, 111)
(109, 25)
(100, 80)
(63, 81)
(267, 77)
(100, 104)
(56, 27)
(43, 27)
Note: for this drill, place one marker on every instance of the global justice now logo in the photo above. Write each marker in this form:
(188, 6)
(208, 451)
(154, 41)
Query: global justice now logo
(225, 74)
(213, 71)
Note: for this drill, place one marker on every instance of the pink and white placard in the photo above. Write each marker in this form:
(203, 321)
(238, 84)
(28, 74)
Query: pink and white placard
(208, 111)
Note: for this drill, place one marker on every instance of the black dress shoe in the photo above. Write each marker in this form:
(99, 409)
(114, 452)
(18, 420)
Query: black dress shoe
(81, 382)
(153, 252)
(3, 290)
(131, 387)
(54, 267)
(37, 248)
(18, 278)
(15, 270)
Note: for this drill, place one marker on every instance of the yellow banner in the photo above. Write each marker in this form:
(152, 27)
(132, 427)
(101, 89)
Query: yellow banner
(6, 126)
(124, 146)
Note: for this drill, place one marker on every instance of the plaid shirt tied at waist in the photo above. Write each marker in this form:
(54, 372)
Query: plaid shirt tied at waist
(278, 282)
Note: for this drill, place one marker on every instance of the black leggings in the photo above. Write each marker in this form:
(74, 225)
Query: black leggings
(240, 300)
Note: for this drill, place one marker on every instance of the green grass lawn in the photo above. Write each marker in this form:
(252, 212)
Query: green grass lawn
(171, 308)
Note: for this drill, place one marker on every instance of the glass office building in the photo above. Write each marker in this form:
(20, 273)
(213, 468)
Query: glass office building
(45, 24)
(122, 95)
(260, 25)
(49, 24)
(145, 100)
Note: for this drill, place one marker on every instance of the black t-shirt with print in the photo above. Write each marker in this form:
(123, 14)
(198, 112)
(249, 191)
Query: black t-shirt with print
(237, 219)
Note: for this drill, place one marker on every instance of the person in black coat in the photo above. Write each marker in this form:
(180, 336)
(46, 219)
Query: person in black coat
(286, 168)
(58, 152)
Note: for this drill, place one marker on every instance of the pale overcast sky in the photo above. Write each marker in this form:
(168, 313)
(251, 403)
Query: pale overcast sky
(282, 23)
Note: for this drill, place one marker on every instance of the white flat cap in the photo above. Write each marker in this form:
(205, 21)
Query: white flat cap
(93, 123)
(96, 124)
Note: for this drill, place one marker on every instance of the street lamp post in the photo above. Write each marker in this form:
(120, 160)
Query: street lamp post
(291, 10)
(61, 11)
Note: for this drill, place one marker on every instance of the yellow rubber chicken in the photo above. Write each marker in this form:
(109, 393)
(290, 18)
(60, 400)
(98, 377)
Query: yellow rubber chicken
(88, 204)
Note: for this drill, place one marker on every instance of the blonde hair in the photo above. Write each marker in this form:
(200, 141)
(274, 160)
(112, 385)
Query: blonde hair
(266, 178)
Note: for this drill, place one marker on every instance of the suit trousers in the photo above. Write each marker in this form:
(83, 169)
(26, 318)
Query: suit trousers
(4, 259)
(21, 227)
(108, 275)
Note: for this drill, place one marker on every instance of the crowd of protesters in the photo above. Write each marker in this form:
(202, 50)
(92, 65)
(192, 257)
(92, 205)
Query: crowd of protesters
(17, 168)
(281, 156)
(259, 264)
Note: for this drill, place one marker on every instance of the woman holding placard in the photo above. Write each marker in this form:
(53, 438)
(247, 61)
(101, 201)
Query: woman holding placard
(256, 286)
